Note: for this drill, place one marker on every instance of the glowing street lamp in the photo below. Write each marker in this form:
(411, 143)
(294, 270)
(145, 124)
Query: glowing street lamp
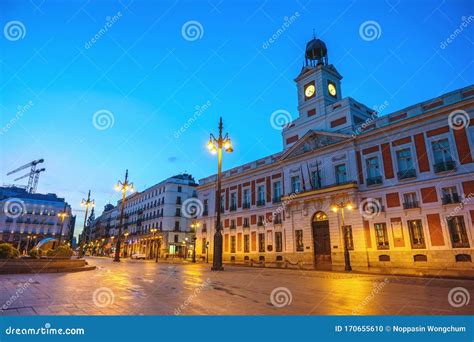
(194, 226)
(123, 187)
(62, 216)
(215, 146)
(345, 231)
(87, 203)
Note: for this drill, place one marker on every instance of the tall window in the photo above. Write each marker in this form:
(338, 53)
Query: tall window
(261, 242)
(178, 212)
(233, 201)
(206, 207)
(295, 184)
(405, 165)
(450, 195)
(232, 244)
(381, 236)
(246, 222)
(176, 225)
(441, 151)
(277, 191)
(341, 173)
(261, 194)
(299, 240)
(246, 243)
(457, 232)
(278, 242)
(179, 189)
(372, 167)
(222, 202)
(410, 200)
(316, 179)
(417, 236)
(246, 198)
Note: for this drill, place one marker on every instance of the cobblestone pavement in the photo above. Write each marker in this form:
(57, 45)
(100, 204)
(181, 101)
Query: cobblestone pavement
(145, 288)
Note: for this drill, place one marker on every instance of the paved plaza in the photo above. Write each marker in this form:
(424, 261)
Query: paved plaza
(134, 287)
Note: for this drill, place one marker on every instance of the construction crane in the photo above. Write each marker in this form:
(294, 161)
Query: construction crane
(33, 174)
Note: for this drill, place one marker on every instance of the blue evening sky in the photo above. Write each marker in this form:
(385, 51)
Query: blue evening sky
(151, 79)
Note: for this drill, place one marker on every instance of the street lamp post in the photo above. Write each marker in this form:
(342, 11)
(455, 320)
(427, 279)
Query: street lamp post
(345, 232)
(62, 215)
(194, 226)
(123, 187)
(215, 146)
(85, 203)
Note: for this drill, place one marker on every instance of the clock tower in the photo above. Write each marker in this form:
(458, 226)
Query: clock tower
(319, 83)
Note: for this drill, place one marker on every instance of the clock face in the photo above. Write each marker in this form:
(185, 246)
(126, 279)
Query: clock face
(332, 89)
(309, 91)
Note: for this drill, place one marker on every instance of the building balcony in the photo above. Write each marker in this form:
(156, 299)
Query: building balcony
(246, 205)
(222, 209)
(276, 199)
(233, 207)
(205, 212)
(233, 226)
(277, 220)
(260, 223)
(406, 174)
(374, 180)
(411, 205)
(451, 199)
(260, 202)
(246, 225)
(448, 165)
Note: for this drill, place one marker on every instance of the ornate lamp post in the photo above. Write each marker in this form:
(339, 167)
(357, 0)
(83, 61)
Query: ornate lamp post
(345, 232)
(215, 146)
(123, 187)
(62, 216)
(194, 227)
(87, 203)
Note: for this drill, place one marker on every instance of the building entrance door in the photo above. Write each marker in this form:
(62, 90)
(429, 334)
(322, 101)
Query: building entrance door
(321, 240)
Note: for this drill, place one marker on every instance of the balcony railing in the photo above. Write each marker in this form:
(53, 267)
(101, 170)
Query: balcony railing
(260, 223)
(205, 212)
(450, 199)
(277, 199)
(222, 208)
(260, 202)
(246, 205)
(445, 166)
(277, 220)
(232, 226)
(233, 207)
(374, 180)
(411, 205)
(405, 174)
(246, 225)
